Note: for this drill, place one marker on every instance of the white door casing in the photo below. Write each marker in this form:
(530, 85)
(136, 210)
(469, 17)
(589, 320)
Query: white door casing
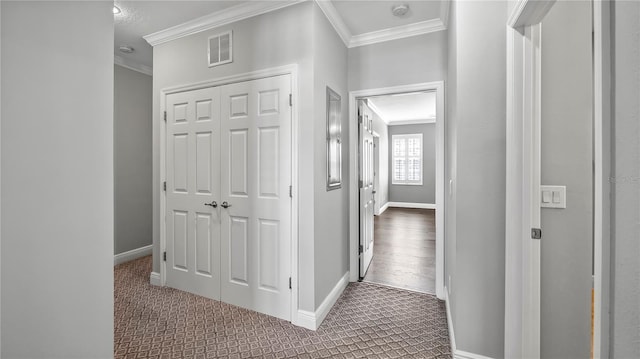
(367, 201)
(193, 179)
(256, 240)
(354, 219)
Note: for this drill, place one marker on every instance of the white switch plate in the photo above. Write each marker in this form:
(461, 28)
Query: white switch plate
(553, 196)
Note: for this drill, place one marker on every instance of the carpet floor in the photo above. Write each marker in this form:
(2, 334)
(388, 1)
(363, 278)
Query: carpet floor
(368, 321)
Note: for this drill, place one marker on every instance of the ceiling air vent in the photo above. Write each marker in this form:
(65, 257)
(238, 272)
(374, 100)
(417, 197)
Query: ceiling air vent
(220, 49)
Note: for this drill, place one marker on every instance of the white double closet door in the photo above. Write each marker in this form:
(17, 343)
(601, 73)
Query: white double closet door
(228, 207)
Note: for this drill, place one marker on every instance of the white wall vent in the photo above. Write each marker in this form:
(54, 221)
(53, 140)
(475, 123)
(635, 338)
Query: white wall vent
(220, 49)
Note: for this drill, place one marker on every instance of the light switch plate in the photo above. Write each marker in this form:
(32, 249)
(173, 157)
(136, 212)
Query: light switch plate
(553, 196)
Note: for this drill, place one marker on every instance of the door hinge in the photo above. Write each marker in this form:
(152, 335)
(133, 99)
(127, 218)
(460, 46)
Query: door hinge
(164, 186)
(290, 100)
(165, 116)
(164, 256)
(290, 191)
(289, 282)
(536, 233)
(360, 248)
(359, 183)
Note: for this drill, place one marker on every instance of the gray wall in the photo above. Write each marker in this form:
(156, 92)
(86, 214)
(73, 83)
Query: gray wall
(263, 42)
(57, 179)
(425, 193)
(625, 246)
(410, 60)
(476, 131)
(381, 128)
(132, 159)
(566, 143)
(331, 222)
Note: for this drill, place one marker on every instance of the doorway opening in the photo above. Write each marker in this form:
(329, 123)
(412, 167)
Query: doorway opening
(397, 187)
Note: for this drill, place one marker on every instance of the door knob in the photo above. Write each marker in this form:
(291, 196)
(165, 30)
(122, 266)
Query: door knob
(225, 204)
(213, 204)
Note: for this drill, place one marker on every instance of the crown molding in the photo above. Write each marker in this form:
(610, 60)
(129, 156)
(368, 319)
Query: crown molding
(375, 109)
(131, 65)
(412, 122)
(216, 19)
(398, 32)
(335, 19)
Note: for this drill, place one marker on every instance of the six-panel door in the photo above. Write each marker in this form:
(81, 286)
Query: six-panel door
(231, 144)
(256, 172)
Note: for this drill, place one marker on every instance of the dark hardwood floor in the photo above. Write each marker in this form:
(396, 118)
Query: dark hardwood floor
(404, 249)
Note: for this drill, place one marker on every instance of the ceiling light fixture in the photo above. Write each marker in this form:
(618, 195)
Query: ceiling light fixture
(400, 10)
(116, 10)
(126, 49)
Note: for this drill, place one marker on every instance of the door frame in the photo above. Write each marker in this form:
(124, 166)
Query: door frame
(354, 234)
(522, 264)
(291, 70)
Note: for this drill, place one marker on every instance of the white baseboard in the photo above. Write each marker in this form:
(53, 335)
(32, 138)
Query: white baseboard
(461, 354)
(452, 337)
(154, 279)
(455, 353)
(132, 254)
(411, 205)
(312, 320)
(383, 208)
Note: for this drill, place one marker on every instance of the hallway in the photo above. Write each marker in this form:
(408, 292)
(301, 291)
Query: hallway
(404, 250)
(368, 320)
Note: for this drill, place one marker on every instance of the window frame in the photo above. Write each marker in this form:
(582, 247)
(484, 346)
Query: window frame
(406, 181)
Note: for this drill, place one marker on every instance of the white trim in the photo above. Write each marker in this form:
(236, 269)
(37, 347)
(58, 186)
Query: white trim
(445, 6)
(335, 19)
(375, 109)
(602, 171)
(354, 237)
(154, 279)
(529, 12)
(132, 65)
(219, 18)
(455, 353)
(291, 70)
(452, 336)
(132, 254)
(461, 354)
(411, 122)
(522, 205)
(411, 205)
(312, 320)
(396, 33)
(383, 208)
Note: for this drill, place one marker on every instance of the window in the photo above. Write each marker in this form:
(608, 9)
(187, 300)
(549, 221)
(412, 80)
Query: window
(407, 159)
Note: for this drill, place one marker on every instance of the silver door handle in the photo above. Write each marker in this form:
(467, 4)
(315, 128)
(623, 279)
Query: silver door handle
(213, 204)
(225, 204)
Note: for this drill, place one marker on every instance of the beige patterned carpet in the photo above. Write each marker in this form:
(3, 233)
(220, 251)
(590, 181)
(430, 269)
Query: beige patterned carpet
(368, 321)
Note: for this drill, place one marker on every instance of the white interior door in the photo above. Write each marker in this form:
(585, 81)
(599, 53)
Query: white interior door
(256, 213)
(193, 183)
(366, 186)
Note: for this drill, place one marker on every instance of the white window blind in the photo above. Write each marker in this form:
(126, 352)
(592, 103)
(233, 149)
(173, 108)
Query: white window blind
(407, 159)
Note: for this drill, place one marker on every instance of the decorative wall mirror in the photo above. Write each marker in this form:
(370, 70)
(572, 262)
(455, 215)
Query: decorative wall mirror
(334, 140)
